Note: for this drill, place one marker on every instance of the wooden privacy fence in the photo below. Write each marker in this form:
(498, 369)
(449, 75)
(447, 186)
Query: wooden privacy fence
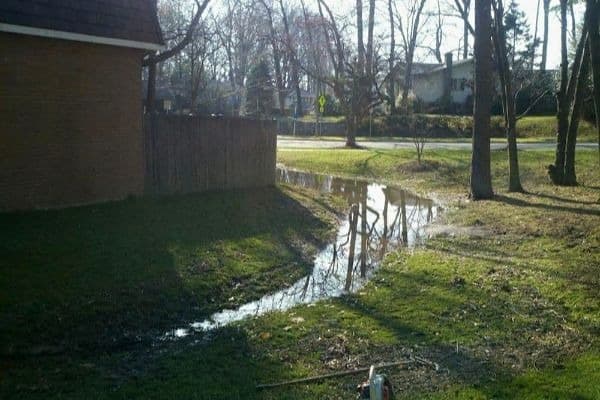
(194, 154)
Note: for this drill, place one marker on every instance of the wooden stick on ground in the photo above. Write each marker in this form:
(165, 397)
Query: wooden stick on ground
(344, 373)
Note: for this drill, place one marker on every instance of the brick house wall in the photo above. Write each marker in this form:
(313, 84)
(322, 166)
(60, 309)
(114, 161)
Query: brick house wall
(70, 122)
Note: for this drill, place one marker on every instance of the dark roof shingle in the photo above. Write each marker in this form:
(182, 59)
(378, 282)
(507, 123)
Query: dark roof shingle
(133, 20)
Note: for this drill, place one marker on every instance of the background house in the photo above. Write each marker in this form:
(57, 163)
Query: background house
(451, 83)
(449, 88)
(71, 110)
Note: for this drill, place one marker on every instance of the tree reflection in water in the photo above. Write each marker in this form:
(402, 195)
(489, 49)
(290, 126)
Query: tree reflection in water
(380, 219)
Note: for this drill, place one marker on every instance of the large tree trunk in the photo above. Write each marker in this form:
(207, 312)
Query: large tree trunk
(508, 99)
(510, 126)
(556, 171)
(570, 176)
(592, 17)
(392, 61)
(296, 78)
(350, 130)
(360, 40)
(546, 30)
(566, 95)
(369, 78)
(370, 44)
(514, 179)
(466, 33)
(535, 33)
(481, 177)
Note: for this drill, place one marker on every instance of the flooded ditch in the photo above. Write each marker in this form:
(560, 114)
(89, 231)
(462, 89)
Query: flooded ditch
(381, 218)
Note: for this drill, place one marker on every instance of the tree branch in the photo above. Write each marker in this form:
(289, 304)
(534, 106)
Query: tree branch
(165, 55)
(533, 104)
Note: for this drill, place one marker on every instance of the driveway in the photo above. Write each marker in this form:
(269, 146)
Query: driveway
(291, 143)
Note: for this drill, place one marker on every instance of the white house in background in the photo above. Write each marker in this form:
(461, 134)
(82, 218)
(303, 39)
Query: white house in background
(453, 81)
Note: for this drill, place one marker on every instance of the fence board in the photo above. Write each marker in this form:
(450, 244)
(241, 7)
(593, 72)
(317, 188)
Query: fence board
(195, 154)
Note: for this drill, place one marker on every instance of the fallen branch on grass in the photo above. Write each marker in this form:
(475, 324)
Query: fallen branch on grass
(415, 360)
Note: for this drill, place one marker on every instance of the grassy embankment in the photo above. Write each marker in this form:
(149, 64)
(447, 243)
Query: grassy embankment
(532, 129)
(508, 306)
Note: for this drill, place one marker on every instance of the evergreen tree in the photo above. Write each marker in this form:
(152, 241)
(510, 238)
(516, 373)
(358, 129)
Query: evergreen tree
(519, 43)
(259, 97)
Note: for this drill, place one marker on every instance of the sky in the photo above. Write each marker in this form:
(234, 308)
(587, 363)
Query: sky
(453, 26)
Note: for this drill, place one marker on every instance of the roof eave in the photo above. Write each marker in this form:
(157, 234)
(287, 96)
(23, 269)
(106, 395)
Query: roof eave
(79, 37)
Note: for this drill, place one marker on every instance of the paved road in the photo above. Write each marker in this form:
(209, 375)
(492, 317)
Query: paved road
(287, 143)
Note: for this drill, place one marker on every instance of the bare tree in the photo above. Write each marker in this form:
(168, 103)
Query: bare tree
(293, 55)
(569, 100)
(314, 48)
(360, 44)
(535, 34)
(481, 176)
(409, 25)
(439, 34)
(546, 30)
(579, 76)
(570, 177)
(198, 53)
(573, 23)
(351, 83)
(592, 16)
(556, 171)
(392, 60)
(239, 31)
(153, 59)
(464, 10)
(276, 51)
(467, 8)
(370, 44)
(505, 73)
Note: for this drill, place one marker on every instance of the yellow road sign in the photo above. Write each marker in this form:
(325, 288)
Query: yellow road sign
(322, 102)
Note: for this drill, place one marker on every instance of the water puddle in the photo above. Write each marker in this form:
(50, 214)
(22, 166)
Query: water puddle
(381, 218)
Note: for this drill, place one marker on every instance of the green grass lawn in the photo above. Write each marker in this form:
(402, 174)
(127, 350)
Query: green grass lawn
(510, 312)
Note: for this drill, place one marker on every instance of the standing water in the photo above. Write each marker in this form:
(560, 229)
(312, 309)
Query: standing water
(381, 218)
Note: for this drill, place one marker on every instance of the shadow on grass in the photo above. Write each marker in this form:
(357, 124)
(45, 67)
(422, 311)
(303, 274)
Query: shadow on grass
(110, 275)
(549, 207)
(562, 199)
(483, 253)
(462, 366)
(421, 310)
